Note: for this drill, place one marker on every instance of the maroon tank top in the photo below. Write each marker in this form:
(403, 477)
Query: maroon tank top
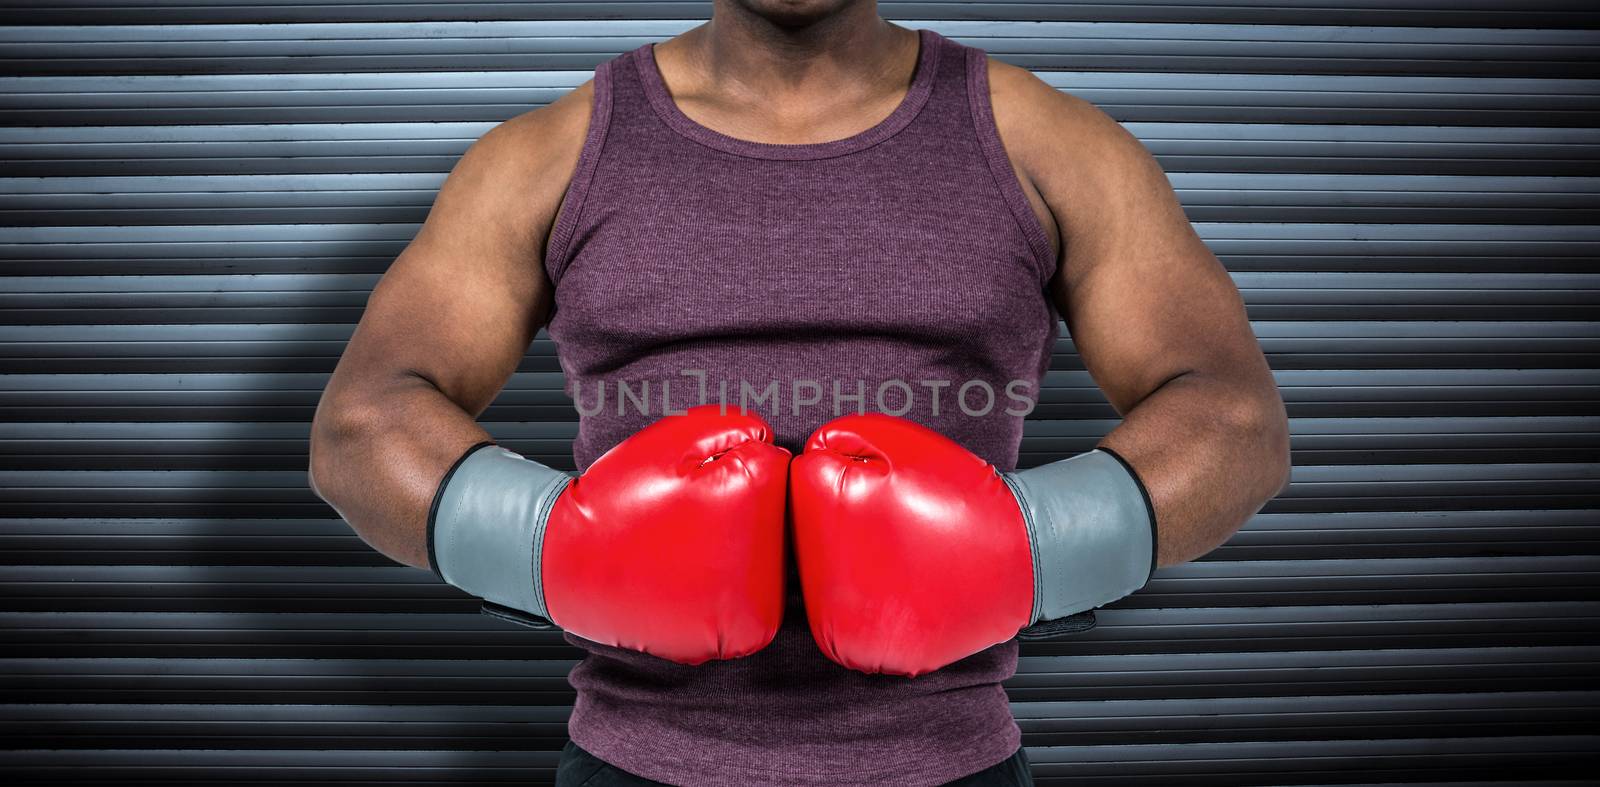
(897, 270)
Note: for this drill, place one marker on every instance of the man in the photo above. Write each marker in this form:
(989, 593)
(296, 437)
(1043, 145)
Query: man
(806, 212)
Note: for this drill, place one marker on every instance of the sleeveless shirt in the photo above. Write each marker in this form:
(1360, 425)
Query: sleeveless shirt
(898, 270)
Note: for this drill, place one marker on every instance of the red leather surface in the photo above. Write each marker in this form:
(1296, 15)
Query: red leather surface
(912, 550)
(672, 542)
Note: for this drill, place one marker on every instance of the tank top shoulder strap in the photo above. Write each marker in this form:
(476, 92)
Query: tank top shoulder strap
(558, 250)
(981, 109)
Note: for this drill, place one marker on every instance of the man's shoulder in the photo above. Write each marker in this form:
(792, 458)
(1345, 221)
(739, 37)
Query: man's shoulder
(1021, 92)
(550, 135)
(1055, 135)
(516, 174)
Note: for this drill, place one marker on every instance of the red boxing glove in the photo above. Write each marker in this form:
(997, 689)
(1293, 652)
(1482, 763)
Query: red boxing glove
(672, 542)
(913, 552)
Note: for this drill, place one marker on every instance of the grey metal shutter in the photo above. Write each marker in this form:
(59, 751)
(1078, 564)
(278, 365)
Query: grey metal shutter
(199, 196)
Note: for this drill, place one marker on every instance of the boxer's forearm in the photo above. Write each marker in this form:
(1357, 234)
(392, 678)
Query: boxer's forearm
(377, 457)
(1211, 450)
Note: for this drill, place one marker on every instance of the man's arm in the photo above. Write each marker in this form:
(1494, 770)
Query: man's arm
(444, 330)
(1158, 322)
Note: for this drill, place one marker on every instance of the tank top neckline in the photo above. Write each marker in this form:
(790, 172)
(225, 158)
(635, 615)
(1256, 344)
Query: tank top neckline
(655, 88)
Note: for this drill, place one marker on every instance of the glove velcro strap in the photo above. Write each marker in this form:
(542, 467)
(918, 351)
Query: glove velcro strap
(488, 527)
(1060, 627)
(517, 616)
(1092, 531)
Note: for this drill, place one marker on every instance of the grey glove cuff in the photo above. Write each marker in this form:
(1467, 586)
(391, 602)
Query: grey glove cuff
(486, 526)
(1092, 529)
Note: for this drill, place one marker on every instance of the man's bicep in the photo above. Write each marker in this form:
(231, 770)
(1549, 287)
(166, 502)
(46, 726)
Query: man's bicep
(1144, 299)
(461, 303)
